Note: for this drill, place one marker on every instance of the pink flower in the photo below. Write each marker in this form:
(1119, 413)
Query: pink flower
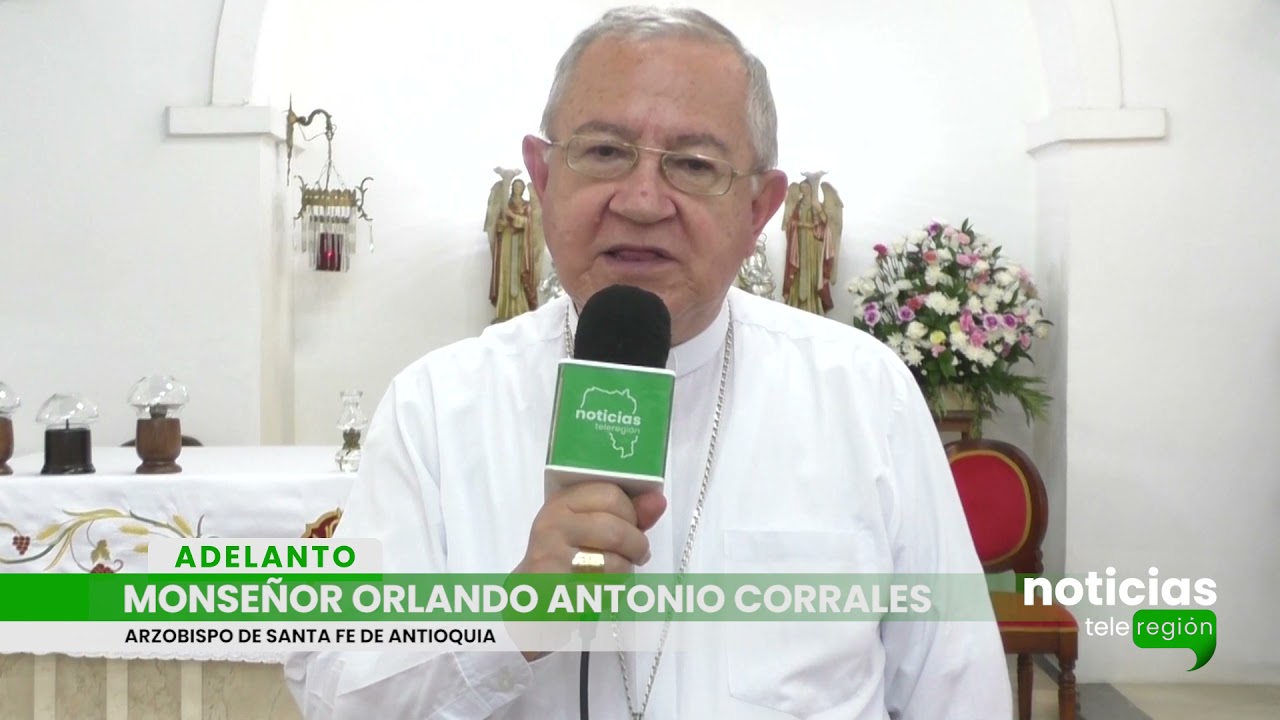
(881, 250)
(1005, 350)
(977, 337)
(938, 350)
(917, 302)
(931, 256)
(966, 322)
(962, 238)
(1025, 341)
(965, 260)
(871, 314)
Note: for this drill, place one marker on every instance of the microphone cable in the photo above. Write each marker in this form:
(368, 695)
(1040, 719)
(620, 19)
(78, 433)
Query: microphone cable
(584, 694)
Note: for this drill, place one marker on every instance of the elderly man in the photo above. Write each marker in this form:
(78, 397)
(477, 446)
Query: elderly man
(658, 172)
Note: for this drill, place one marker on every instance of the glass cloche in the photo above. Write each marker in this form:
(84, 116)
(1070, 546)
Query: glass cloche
(66, 410)
(158, 396)
(9, 401)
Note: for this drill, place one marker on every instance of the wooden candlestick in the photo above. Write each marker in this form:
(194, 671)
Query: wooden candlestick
(67, 451)
(6, 445)
(159, 442)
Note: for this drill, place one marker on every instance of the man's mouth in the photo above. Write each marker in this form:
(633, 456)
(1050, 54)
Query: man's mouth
(638, 254)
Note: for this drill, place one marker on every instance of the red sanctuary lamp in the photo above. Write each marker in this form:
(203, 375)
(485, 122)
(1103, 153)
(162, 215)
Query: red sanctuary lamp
(328, 217)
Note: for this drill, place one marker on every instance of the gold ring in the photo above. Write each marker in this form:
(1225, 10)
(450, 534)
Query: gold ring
(588, 561)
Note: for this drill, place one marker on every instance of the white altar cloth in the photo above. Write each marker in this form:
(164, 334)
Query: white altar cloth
(102, 521)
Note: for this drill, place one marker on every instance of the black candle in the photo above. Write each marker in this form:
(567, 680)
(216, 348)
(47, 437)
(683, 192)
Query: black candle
(67, 451)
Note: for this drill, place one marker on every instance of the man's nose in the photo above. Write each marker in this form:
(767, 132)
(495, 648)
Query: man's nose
(644, 195)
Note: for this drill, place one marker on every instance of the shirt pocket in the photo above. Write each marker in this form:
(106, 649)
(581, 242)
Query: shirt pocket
(804, 668)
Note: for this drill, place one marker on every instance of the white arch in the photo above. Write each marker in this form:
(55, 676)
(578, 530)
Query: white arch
(235, 56)
(1084, 77)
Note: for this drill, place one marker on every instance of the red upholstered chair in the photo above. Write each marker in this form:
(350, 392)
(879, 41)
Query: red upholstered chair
(1008, 512)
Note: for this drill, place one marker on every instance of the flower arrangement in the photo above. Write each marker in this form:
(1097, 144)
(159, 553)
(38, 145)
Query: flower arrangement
(958, 314)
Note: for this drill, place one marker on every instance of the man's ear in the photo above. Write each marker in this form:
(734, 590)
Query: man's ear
(535, 161)
(773, 190)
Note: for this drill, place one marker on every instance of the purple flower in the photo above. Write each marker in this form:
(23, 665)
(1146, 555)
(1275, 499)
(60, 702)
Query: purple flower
(1010, 320)
(871, 315)
(992, 322)
(906, 314)
(935, 228)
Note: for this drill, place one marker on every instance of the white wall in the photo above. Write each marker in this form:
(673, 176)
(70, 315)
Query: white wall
(123, 251)
(917, 110)
(1173, 393)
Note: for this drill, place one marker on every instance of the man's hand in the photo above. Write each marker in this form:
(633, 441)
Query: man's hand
(594, 516)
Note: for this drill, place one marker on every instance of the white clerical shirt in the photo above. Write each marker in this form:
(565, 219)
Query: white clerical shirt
(827, 461)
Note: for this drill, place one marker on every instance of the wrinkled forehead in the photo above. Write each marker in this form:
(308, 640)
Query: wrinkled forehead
(674, 92)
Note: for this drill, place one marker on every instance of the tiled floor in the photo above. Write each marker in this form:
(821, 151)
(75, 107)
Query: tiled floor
(1156, 702)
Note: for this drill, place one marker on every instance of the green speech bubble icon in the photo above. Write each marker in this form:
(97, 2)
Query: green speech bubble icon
(1196, 630)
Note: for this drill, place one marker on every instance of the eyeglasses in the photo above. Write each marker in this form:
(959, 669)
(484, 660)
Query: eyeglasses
(605, 159)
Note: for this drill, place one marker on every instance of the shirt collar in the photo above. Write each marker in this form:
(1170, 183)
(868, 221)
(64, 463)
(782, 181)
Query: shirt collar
(689, 355)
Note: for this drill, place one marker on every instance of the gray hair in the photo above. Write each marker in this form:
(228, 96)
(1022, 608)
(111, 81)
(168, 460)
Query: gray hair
(646, 22)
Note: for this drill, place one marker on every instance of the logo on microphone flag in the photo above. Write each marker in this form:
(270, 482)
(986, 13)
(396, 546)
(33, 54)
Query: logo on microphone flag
(611, 421)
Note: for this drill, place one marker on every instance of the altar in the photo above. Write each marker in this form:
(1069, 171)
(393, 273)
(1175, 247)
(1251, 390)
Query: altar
(103, 522)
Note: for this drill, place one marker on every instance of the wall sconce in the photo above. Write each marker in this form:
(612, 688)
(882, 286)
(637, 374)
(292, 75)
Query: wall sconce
(329, 210)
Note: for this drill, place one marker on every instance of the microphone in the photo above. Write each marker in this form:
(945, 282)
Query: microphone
(612, 416)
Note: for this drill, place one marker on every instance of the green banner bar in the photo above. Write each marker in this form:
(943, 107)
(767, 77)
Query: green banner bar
(533, 598)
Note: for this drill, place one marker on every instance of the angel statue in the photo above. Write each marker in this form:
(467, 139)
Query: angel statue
(755, 276)
(514, 227)
(813, 230)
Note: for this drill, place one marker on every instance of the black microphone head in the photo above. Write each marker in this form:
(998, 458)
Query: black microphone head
(624, 325)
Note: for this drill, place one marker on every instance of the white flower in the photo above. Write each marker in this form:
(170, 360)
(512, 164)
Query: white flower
(1003, 278)
(894, 340)
(903, 285)
(899, 246)
(916, 330)
(1042, 331)
(933, 276)
(942, 304)
(986, 358)
(868, 286)
(917, 236)
(991, 303)
(1034, 317)
(960, 343)
(981, 266)
(944, 255)
(974, 303)
(912, 355)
